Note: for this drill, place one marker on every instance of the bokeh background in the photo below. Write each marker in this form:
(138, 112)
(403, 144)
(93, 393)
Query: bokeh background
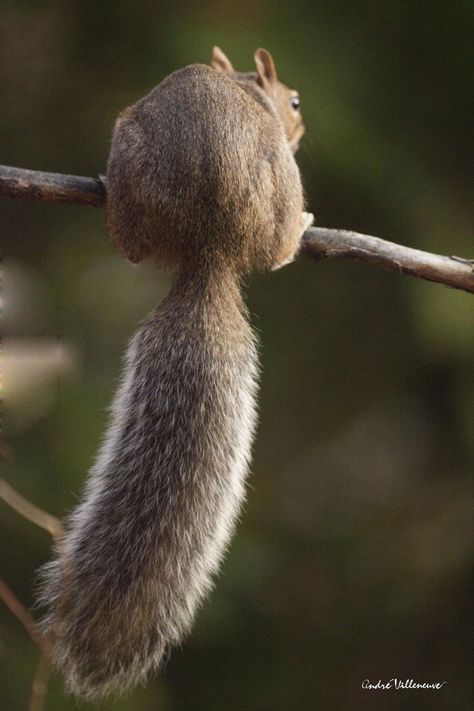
(354, 557)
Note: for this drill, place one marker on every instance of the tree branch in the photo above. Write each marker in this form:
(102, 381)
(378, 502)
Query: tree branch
(322, 243)
(51, 187)
(318, 242)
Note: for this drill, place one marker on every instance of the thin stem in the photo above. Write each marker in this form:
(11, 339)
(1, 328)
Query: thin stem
(22, 614)
(29, 511)
(39, 687)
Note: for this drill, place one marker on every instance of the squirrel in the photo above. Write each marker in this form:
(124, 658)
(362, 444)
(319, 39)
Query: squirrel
(201, 178)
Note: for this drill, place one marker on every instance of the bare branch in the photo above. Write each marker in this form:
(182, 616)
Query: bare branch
(51, 187)
(318, 242)
(22, 614)
(322, 243)
(29, 511)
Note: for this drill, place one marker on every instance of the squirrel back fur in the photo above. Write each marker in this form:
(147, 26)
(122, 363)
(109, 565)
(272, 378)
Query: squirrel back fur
(200, 177)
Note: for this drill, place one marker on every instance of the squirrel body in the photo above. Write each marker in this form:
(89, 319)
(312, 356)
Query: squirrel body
(201, 177)
(211, 174)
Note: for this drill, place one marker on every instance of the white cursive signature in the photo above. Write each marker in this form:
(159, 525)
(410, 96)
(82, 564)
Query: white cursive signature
(398, 684)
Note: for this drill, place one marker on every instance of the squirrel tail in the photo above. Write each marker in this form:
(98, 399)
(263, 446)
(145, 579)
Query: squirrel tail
(163, 496)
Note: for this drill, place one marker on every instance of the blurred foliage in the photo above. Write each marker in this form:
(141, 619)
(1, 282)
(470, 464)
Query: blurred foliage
(354, 556)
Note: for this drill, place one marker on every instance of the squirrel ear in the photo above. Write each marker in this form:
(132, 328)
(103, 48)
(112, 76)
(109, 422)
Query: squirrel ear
(266, 72)
(220, 62)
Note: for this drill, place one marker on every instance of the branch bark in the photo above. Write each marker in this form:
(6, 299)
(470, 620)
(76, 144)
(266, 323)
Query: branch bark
(318, 242)
(322, 243)
(51, 187)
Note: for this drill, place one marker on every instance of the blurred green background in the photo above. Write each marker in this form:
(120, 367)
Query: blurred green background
(354, 557)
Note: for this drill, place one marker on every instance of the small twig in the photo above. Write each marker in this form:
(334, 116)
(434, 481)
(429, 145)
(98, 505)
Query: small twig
(39, 687)
(29, 511)
(22, 614)
(51, 524)
(318, 242)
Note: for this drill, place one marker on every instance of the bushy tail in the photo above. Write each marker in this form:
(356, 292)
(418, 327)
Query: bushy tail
(161, 500)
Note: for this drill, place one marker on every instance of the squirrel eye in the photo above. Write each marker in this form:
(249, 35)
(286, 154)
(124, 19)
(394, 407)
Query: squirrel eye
(295, 102)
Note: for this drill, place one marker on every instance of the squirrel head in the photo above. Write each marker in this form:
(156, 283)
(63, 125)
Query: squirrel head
(285, 100)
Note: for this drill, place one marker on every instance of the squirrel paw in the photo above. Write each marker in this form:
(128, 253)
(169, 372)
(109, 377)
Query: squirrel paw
(307, 219)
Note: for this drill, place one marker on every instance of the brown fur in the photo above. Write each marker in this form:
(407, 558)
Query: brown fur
(201, 177)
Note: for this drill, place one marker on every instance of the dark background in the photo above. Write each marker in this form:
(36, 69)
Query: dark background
(354, 557)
